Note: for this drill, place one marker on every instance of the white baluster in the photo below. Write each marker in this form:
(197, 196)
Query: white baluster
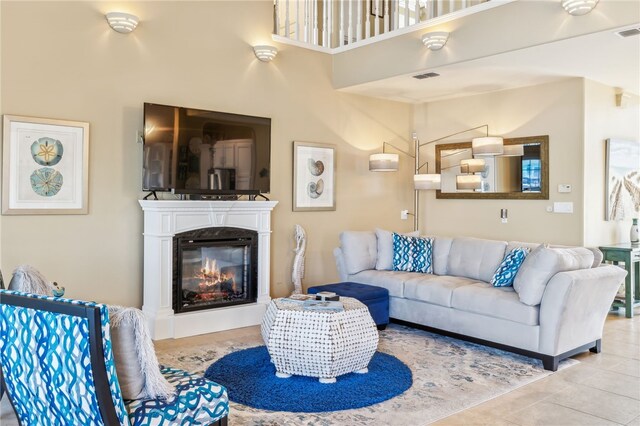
(325, 18)
(376, 19)
(314, 20)
(407, 12)
(298, 20)
(463, 4)
(350, 28)
(341, 34)
(330, 24)
(367, 20)
(396, 15)
(417, 12)
(359, 22)
(276, 10)
(306, 21)
(452, 5)
(287, 23)
(440, 8)
(386, 16)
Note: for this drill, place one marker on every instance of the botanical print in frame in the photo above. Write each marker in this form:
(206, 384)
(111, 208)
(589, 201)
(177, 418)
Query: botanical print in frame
(623, 179)
(45, 166)
(314, 176)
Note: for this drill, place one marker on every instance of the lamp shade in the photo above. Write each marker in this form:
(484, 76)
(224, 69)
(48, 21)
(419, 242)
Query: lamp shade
(383, 162)
(468, 182)
(122, 22)
(512, 151)
(579, 7)
(490, 145)
(472, 165)
(426, 181)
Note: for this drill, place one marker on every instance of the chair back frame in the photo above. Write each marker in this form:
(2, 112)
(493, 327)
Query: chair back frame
(96, 349)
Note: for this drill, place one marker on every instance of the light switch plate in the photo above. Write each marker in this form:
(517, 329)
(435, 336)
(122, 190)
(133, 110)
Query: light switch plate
(563, 207)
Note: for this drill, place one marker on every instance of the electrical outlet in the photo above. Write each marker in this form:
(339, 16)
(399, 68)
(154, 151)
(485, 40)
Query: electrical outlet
(404, 214)
(563, 207)
(504, 214)
(139, 136)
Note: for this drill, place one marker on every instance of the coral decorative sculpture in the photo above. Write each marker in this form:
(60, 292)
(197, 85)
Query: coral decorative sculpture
(298, 261)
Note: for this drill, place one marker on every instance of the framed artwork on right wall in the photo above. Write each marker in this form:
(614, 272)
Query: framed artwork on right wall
(623, 179)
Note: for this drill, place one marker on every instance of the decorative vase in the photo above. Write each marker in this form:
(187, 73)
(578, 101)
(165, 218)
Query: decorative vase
(633, 234)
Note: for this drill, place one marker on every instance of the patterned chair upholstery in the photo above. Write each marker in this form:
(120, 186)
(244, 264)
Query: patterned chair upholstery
(57, 368)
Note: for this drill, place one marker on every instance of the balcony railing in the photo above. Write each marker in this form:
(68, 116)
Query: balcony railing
(340, 23)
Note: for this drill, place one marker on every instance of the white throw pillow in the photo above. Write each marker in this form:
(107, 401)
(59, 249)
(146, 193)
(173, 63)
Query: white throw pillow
(137, 367)
(28, 279)
(542, 264)
(384, 238)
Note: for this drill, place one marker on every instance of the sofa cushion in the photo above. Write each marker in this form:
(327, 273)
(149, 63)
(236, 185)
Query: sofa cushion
(496, 302)
(475, 258)
(384, 261)
(412, 254)
(542, 264)
(434, 289)
(360, 250)
(441, 248)
(391, 280)
(506, 272)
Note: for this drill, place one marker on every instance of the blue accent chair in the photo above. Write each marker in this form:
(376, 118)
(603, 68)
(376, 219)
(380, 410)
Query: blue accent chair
(376, 298)
(58, 369)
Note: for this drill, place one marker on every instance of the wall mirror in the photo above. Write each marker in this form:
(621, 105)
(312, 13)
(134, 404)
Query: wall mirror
(522, 173)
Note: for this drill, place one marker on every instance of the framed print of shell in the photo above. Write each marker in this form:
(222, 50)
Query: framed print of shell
(623, 179)
(45, 166)
(314, 176)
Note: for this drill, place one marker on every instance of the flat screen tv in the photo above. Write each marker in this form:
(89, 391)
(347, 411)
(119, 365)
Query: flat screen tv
(193, 151)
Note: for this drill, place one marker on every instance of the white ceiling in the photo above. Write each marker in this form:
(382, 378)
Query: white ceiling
(604, 57)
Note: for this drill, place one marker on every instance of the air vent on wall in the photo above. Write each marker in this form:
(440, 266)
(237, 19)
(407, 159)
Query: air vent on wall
(426, 75)
(628, 33)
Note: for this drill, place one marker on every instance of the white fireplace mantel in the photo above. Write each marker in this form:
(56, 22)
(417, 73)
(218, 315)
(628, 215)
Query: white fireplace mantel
(165, 218)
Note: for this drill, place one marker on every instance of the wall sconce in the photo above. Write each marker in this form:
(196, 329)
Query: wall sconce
(468, 182)
(265, 52)
(383, 162)
(122, 22)
(435, 40)
(579, 7)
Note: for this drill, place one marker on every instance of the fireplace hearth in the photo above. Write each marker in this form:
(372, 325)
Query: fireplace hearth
(213, 268)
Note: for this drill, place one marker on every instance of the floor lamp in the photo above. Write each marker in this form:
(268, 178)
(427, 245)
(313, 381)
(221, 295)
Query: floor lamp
(387, 162)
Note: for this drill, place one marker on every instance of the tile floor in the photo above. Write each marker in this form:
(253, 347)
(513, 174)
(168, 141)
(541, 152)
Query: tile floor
(604, 389)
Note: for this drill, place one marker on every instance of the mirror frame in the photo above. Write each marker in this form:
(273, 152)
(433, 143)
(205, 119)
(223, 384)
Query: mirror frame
(544, 156)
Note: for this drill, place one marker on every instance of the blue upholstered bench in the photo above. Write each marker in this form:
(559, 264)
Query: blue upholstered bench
(376, 298)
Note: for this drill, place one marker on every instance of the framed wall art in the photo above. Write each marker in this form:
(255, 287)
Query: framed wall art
(623, 179)
(45, 166)
(314, 176)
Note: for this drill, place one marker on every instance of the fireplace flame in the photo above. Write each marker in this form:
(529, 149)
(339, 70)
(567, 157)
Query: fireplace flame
(211, 276)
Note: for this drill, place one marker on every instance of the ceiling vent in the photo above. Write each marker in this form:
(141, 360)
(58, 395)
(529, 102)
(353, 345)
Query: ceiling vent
(426, 75)
(628, 33)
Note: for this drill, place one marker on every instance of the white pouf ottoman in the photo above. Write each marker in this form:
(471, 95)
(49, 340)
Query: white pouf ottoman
(321, 344)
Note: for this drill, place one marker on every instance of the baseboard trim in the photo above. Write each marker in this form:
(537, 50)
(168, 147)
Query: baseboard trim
(549, 362)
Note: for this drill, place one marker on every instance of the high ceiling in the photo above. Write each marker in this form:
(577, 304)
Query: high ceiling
(603, 57)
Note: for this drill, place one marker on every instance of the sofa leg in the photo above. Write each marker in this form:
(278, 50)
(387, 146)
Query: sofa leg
(597, 348)
(382, 327)
(550, 363)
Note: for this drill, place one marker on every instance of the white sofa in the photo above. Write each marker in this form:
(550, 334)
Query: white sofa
(567, 293)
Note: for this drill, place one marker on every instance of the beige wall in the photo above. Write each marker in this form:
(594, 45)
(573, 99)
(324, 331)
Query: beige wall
(195, 54)
(554, 109)
(604, 120)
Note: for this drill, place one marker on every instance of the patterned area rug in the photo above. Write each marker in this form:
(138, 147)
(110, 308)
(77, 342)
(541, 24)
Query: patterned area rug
(449, 375)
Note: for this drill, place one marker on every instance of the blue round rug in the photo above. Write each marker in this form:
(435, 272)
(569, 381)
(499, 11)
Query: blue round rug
(250, 379)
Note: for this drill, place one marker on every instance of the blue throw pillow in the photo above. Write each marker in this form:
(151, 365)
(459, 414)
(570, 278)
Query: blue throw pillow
(508, 269)
(412, 254)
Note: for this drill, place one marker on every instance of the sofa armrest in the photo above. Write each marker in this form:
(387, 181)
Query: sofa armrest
(342, 269)
(574, 307)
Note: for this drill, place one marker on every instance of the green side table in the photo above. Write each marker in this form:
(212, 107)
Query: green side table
(629, 254)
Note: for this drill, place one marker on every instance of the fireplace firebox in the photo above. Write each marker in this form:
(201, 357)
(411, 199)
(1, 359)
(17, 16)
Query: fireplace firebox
(214, 267)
